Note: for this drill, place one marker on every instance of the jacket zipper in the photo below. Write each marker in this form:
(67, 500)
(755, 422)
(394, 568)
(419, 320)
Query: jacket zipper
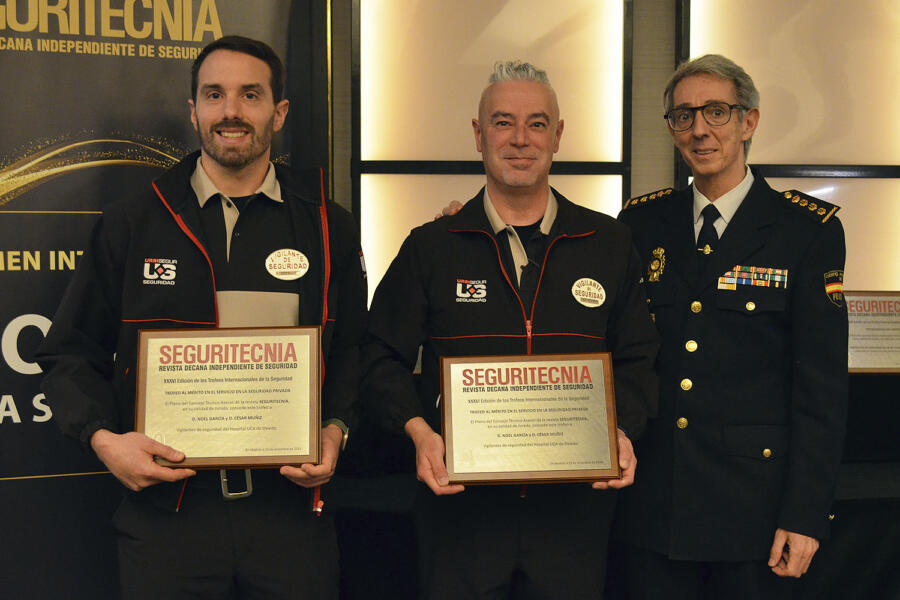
(187, 231)
(528, 318)
(512, 287)
(529, 322)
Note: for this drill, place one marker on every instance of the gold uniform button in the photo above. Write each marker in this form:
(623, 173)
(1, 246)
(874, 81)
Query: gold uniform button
(751, 306)
(767, 453)
(696, 306)
(686, 384)
(691, 346)
(682, 423)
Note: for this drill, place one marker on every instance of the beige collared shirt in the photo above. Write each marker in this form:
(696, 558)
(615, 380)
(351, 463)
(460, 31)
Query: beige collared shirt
(246, 308)
(515, 244)
(205, 189)
(727, 204)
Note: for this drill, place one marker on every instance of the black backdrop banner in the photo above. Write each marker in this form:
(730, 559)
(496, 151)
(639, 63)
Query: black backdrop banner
(94, 103)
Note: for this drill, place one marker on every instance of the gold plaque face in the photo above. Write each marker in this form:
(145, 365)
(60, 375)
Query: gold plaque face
(534, 418)
(244, 397)
(874, 334)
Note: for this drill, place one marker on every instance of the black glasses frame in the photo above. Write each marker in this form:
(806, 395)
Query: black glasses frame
(670, 117)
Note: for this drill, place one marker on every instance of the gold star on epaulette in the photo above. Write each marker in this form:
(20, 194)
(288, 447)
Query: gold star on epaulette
(818, 209)
(643, 200)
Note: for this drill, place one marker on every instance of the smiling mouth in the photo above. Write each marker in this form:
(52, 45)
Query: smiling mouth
(232, 130)
(704, 152)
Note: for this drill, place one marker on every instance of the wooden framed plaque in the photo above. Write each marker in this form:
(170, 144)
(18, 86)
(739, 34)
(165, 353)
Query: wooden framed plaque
(529, 419)
(244, 397)
(874, 340)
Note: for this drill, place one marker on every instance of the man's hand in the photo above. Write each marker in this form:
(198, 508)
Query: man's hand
(449, 210)
(129, 456)
(430, 467)
(628, 462)
(310, 475)
(791, 553)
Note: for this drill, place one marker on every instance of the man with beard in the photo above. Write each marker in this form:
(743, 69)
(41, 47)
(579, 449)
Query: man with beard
(206, 228)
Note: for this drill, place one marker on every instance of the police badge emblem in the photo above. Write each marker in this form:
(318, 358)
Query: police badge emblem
(657, 264)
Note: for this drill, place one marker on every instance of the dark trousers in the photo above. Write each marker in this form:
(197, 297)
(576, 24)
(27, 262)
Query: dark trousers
(653, 576)
(266, 546)
(490, 543)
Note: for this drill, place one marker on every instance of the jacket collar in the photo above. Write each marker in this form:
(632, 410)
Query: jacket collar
(498, 225)
(749, 230)
(175, 183)
(204, 188)
(568, 219)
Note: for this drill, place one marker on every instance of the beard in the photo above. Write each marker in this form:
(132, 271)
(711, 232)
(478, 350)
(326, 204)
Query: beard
(236, 158)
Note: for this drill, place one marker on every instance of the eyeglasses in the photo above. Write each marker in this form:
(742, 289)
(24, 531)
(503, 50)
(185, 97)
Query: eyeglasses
(715, 113)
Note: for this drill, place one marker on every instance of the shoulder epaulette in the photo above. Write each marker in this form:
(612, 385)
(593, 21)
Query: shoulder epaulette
(641, 200)
(818, 209)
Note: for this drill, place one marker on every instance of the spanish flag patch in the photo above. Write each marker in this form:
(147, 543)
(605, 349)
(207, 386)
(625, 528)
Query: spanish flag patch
(834, 286)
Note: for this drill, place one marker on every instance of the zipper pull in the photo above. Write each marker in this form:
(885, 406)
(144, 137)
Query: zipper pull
(528, 335)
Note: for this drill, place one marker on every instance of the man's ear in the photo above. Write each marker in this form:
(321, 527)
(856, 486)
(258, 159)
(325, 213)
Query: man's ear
(559, 132)
(281, 111)
(749, 123)
(193, 114)
(476, 129)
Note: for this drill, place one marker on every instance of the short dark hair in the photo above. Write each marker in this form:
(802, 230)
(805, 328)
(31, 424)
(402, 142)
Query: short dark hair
(244, 45)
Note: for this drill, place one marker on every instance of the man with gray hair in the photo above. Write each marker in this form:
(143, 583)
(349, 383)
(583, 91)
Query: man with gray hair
(745, 285)
(497, 279)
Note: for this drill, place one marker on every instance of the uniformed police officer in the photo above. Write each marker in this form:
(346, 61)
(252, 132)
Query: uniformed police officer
(738, 472)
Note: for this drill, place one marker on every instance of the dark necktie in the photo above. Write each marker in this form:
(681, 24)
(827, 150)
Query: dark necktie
(708, 238)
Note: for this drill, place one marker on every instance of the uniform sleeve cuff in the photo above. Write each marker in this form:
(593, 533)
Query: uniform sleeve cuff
(340, 425)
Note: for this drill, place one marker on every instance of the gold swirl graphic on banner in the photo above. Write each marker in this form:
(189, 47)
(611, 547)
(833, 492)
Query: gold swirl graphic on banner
(58, 158)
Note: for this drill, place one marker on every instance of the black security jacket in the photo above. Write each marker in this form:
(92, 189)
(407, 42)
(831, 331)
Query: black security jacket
(416, 304)
(89, 354)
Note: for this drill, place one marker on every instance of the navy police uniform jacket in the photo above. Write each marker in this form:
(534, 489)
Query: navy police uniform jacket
(753, 376)
(107, 301)
(426, 298)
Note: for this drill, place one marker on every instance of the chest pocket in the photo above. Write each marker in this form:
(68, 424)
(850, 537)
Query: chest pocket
(660, 298)
(754, 301)
(659, 295)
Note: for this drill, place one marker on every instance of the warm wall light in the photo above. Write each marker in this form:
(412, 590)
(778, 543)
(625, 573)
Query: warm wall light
(602, 193)
(870, 215)
(394, 204)
(826, 71)
(424, 64)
